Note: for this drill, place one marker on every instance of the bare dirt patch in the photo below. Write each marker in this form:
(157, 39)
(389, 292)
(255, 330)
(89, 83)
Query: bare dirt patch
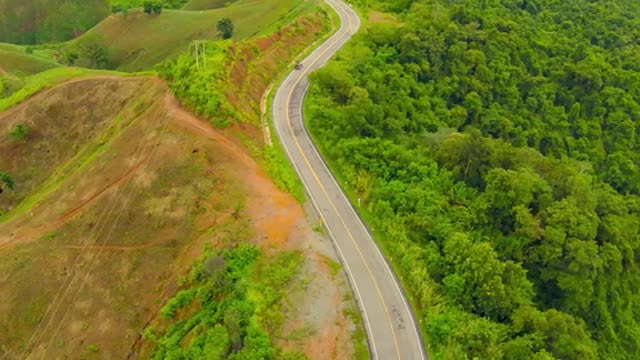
(381, 17)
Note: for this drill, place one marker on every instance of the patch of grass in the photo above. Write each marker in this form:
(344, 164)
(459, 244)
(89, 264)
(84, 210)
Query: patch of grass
(359, 337)
(50, 236)
(319, 227)
(281, 171)
(300, 334)
(130, 4)
(38, 82)
(19, 132)
(306, 7)
(334, 267)
(207, 4)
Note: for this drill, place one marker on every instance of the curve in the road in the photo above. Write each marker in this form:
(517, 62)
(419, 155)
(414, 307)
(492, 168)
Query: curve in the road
(391, 327)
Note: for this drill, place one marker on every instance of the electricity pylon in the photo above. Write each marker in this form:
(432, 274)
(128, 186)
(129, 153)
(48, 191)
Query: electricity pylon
(200, 53)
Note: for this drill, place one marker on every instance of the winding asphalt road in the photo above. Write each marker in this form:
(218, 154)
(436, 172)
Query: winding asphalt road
(391, 327)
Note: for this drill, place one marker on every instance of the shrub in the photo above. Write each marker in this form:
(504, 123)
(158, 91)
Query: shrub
(225, 28)
(6, 181)
(19, 132)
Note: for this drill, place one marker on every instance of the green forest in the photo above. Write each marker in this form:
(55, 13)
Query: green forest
(495, 145)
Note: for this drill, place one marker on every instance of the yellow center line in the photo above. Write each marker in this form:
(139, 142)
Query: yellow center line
(355, 243)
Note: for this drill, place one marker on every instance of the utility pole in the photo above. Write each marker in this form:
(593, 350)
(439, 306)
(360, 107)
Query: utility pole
(200, 53)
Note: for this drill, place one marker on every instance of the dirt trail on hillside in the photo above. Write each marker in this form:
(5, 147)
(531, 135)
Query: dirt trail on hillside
(32, 233)
(179, 117)
(200, 126)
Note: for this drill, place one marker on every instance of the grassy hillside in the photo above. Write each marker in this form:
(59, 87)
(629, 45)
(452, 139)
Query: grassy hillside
(35, 83)
(16, 65)
(137, 41)
(229, 92)
(56, 135)
(117, 190)
(113, 167)
(23, 64)
(41, 21)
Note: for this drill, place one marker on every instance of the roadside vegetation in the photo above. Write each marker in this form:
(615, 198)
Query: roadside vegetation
(228, 81)
(229, 307)
(494, 147)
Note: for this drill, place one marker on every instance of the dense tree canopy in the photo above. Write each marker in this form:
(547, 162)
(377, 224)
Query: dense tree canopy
(494, 144)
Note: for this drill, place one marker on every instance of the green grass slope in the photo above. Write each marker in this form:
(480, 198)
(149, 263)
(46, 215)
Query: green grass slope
(207, 4)
(138, 41)
(16, 65)
(35, 83)
(23, 64)
(41, 21)
(176, 4)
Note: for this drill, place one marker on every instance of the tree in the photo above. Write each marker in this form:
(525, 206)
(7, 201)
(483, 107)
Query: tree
(69, 56)
(94, 50)
(225, 28)
(148, 7)
(6, 181)
(154, 7)
(157, 8)
(19, 132)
